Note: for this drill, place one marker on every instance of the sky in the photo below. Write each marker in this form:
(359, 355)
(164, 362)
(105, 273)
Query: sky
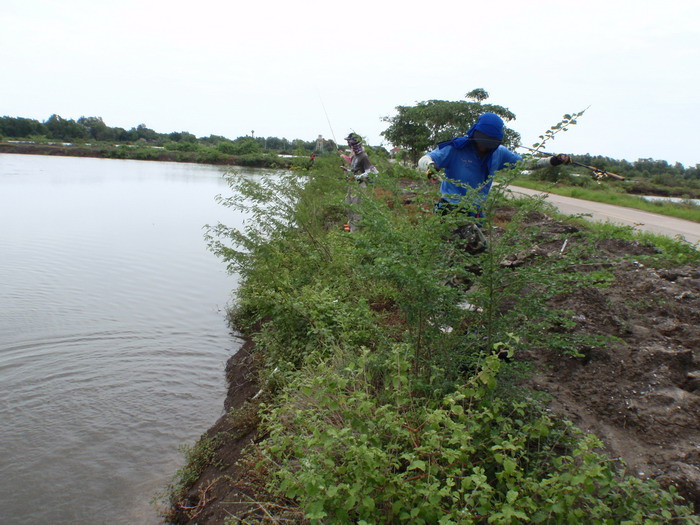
(308, 68)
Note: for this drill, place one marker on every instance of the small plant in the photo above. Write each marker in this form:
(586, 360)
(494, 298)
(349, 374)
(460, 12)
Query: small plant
(352, 443)
(563, 125)
(197, 458)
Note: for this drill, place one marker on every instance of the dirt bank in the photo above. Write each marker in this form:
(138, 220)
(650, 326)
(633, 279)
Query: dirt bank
(640, 394)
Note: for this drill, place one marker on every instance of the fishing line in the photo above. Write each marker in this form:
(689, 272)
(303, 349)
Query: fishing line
(329, 121)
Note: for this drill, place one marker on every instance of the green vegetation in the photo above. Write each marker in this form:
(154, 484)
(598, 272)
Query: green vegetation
(197, 457)
(385, 402)
(90, 136)
(420, 128)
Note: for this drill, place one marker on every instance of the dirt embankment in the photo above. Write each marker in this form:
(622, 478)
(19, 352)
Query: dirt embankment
(640, 395)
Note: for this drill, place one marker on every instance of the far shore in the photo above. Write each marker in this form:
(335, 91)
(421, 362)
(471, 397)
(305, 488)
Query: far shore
(145, 152)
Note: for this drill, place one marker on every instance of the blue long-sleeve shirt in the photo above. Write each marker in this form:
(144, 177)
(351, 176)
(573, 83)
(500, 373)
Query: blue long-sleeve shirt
(463, 165)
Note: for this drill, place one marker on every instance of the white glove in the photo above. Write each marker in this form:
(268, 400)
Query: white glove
(425, 162)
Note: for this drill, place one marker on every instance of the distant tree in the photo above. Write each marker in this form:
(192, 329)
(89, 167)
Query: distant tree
(212, 140)
(65, 129)
(97, 129)
(240, 146)
(145, 133)
(275, 143)
(182, 136)
(478, 94)
(421, 127)
(122, 135)
(246, 146)
(19, 127)
(227, 147)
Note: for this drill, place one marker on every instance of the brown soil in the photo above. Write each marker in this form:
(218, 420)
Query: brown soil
(640, 395)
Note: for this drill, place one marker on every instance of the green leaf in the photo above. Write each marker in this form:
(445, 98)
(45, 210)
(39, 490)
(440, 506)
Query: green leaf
(417, 464)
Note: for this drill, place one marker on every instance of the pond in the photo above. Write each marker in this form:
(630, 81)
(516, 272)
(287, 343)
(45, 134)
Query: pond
(113, 338)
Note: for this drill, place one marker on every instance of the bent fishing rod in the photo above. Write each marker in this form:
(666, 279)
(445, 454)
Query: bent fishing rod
(598, 173)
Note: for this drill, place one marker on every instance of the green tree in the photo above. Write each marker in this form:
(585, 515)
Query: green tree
(240, 146)
(227, 147)
(182, 136)
(421, 127)
(246, 146)
(65, 129)
(97, 129)
(19, 127)
(143, 132)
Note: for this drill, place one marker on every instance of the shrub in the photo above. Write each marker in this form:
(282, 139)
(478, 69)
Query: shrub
(372, 416)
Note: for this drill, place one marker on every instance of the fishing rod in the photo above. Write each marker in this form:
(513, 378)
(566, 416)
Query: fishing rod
(598, 173)
(329, 122)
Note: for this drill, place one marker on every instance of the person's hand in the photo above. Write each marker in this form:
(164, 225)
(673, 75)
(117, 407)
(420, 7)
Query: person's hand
(561, 158)
(431, 172)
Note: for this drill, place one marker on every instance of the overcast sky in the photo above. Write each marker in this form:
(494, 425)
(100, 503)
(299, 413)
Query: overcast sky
(232, 67)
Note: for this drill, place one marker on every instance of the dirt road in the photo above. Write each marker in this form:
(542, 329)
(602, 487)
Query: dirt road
(638, 219)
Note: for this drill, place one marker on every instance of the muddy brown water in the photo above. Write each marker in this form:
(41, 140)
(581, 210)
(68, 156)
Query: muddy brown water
(112, 332)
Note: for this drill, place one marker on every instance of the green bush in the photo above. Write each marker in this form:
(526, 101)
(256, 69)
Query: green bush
(353, 446)
(376, 413)
(183, 146)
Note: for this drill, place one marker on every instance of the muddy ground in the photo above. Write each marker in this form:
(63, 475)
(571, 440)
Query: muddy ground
(640, 395)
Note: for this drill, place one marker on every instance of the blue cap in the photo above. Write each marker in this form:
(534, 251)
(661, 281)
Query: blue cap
(489, 124)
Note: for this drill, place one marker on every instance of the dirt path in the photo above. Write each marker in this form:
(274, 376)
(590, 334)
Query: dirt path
(638, 219)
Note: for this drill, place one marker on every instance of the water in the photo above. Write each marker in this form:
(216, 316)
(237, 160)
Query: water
(676, 200)
(112, 332)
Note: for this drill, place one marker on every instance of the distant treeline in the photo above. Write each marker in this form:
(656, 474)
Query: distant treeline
(94, 129)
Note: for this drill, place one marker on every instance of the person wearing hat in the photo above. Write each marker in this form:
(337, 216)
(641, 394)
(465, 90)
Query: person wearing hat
(361, 167)
(470, 163)
(360, 162)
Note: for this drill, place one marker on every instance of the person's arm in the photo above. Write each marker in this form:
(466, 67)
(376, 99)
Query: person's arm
(556, 160)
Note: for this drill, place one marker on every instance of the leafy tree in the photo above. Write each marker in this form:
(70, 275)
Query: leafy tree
(65, 129)
(182, 136)
(421, 127)
(246, 146)
(240, 146)
(227, 147)
(143, 132)
(276, 143)
(19, 127)
(97, 129)
(212, 140)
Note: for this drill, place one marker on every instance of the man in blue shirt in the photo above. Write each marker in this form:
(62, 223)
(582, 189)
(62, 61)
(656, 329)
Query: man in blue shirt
(470, 162)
